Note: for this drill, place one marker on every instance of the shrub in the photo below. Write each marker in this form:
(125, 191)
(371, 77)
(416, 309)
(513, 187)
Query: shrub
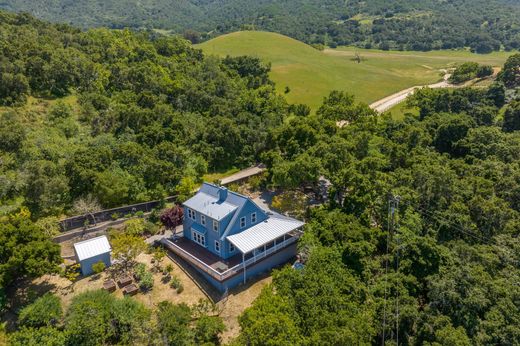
(140, 270)
(72, 272)
(44, 311)
(115, 216)
(146, 281)
(169, 268)
(139, 213)
(98, 267)
(180, 289)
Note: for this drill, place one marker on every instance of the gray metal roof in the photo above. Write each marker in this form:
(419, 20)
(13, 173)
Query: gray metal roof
(209, 205)
(92, 247)
(264, 232)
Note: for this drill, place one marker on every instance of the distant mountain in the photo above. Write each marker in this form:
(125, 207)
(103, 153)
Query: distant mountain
(483, 25)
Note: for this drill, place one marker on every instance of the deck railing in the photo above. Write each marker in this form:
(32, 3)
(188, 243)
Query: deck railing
(221, 276)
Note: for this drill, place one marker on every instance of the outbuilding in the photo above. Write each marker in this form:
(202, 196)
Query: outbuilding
(91, 251)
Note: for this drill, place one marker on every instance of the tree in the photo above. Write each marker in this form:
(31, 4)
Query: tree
(97, 318)
(26, 250)
(45, 311)
(340, 105)
(293, 203)
(512, 117)
(208, 330)
(511, 72)
(126, 248)
(172, 217)
(173, 323)
(185, 188)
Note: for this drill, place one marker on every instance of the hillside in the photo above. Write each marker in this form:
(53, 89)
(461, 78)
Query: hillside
(311, 74)
(406, 24)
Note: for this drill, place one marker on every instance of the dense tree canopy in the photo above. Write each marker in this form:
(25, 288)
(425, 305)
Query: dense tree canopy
(407, 24)
(137, 114)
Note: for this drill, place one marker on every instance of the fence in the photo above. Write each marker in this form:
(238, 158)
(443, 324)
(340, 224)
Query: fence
(106, 215)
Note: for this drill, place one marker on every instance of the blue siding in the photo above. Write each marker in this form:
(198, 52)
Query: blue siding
(86, 264)
(277, 259)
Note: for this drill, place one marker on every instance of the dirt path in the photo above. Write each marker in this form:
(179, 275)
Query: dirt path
(388, 102)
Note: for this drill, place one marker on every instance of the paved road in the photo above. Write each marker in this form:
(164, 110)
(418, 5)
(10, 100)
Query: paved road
(394, 99)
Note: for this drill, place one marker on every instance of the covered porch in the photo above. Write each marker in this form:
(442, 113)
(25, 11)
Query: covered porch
(255, 245)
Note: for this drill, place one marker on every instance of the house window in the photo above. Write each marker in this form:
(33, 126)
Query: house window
(231, 247)
(198, 238)
(253, 218)
(194, 215)
(243, 222)
(189, 212)
(217, 246)
(203, 219)
(215, 225)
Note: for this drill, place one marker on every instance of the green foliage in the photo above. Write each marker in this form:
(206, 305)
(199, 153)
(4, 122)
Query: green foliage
(510, 75)
(146, 281)
(96, 317)
(98, 267)
(126, 247)
(512, 117)
(408, 24)
(135, 114)
(26, 250)
(208, 329)
(45, 311)
(173, 323)
(47, 336)
(464, 72)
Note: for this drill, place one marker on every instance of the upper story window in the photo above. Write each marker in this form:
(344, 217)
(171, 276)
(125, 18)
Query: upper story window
(253, 218)
(231, 247)
(203, 219)
(242, 222)
(215, 225)
(217, 246)
(190, 213)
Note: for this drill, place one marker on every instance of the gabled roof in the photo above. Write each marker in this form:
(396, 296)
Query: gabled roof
(92, 247)
(273, 227)
(207, 201)
(209, 205)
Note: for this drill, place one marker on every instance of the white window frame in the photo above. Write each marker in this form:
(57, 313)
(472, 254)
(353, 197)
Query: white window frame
(189, 213)
(253, 218)
(231, 247)
(243, 218)
(217, 246)
(203, 220)
(215, 226)
(198, 238)
(194, 215)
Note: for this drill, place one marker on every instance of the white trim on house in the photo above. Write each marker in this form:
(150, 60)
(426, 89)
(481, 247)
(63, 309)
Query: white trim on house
(203, 220)
(217, 246)
(243, 222)
(215, 226)
(264, 232)
(198, 238)
(253, 218)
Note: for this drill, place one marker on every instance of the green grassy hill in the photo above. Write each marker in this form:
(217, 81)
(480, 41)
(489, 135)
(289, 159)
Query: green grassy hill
(311, 74)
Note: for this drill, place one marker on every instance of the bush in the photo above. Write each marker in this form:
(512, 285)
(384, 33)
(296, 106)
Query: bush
(146, 281)
(484, 71)
(72, 272)
(140, 270)
(45, 311)
(115, 216)
(139, 213)
(98, 267)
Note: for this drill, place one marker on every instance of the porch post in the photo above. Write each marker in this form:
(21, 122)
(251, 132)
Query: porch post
(244, 265)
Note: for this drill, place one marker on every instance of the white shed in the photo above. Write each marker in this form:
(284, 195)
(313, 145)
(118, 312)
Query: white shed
(91, 251)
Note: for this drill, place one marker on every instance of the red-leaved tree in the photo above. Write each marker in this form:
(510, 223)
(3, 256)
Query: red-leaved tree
(172, 217)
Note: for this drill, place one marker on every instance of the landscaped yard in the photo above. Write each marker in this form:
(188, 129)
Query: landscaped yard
(229, 309)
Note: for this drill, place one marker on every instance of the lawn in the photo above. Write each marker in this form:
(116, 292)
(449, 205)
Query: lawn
(311, 74)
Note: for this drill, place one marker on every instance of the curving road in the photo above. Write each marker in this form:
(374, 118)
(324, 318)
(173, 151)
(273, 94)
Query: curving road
(388, 102)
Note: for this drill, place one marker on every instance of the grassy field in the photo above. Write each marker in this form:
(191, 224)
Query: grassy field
(311, 74)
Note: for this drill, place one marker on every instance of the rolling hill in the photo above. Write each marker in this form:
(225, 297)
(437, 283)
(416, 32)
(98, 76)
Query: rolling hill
(311, 74)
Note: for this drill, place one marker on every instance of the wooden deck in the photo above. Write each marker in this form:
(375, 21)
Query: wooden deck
(206, 256)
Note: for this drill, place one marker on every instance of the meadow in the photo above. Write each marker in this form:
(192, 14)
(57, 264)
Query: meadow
(311, 74)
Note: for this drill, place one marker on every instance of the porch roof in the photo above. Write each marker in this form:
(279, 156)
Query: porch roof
(264, 232)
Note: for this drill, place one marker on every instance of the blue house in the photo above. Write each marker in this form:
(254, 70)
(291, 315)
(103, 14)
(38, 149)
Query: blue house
(229, 238)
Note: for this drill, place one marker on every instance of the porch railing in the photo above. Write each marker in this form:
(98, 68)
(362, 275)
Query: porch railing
(221, 276)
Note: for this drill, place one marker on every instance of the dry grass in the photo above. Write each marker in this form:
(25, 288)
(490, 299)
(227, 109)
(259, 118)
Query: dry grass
(229, 309)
